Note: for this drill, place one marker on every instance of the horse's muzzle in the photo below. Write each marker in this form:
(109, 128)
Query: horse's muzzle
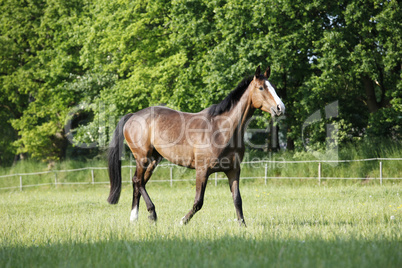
(278, 110)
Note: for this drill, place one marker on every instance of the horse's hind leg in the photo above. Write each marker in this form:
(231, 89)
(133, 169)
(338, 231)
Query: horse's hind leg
(136, 198)
(142, 175)
(143, 191)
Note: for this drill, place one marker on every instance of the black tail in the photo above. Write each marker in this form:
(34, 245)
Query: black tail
(114, 162)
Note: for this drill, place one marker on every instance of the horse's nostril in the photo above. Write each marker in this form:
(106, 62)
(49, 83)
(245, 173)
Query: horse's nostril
(278, 107)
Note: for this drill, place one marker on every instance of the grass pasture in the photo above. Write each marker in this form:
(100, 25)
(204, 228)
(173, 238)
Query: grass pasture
(288, 226)
(79, 172)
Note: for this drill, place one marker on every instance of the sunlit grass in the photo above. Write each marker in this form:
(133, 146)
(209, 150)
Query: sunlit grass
(304, 226)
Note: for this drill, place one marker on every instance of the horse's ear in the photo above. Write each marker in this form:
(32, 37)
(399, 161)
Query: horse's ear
(267, 72)
(258, 71)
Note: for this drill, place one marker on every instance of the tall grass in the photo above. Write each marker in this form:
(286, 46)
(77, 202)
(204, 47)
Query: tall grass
(365, 170)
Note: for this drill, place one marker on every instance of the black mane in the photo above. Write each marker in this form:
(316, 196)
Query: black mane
(231, 99)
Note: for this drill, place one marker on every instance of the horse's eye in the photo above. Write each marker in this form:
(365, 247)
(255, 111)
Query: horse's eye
(261, 88)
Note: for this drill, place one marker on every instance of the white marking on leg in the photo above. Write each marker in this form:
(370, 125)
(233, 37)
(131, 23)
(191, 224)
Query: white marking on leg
(134, 214)
(182, 220)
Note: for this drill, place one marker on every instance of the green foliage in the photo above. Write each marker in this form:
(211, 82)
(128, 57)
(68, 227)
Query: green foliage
(357, 64)
(7, 151)
(41, 54)
(115, 57)
(353, 151)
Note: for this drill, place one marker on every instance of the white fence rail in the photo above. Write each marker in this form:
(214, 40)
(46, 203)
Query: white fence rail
(319, 176)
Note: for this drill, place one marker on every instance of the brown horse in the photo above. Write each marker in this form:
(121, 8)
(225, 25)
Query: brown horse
(209, 141)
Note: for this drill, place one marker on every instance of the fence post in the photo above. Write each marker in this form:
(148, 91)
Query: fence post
(92, 175)
(216, 178)
(171, 176)
(265, 173)
(380, 173)
(319, 173)
(55, 178)
(20, 183)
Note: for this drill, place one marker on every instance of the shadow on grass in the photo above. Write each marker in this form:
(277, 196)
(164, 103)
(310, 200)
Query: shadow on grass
(224, 252)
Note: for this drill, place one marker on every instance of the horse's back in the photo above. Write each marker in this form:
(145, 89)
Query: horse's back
(165, 130)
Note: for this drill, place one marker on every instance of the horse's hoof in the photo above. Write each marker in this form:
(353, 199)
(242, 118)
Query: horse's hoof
(153, 217)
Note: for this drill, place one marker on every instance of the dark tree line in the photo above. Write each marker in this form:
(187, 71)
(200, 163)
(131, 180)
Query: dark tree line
(115, 57)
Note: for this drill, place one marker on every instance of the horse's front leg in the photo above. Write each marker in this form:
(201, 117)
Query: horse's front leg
(234, 176)
(201, 183)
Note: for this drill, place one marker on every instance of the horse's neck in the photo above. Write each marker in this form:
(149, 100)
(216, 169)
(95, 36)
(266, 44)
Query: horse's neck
(240, 114)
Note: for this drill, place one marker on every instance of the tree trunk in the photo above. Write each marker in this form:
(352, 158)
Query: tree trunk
(290, 144)
(274, 137)
(372, 103)
(60, 144)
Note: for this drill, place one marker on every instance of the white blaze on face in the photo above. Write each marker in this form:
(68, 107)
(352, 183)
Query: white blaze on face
(134, 214)
(276, 98)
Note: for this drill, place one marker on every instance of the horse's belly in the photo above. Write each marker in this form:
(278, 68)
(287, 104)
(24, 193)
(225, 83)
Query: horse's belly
(177, 153)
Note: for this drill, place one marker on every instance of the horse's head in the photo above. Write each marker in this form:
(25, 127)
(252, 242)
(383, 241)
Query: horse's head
(263, 95)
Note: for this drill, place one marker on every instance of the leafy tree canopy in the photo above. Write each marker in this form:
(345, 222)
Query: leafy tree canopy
(96, 60)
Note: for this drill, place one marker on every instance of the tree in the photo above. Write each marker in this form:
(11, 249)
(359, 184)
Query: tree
(40, 56)
(359, 63)
(115, 57)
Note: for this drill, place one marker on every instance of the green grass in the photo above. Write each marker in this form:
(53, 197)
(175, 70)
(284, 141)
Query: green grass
(366, 170)
(288, 226)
